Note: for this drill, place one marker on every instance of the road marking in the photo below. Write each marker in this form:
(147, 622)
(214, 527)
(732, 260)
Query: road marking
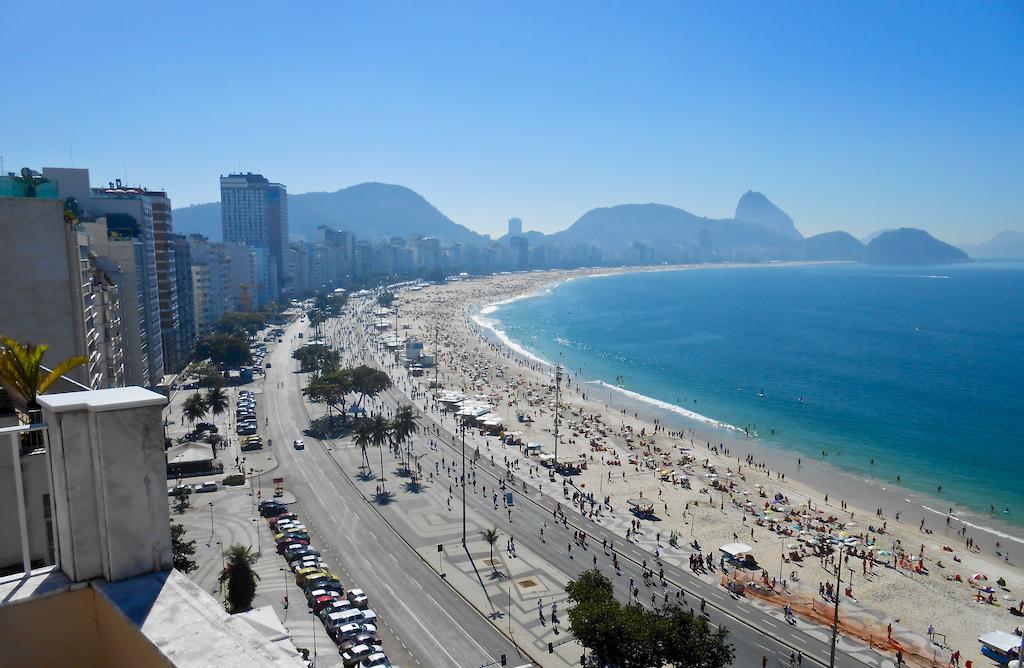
(459, 625)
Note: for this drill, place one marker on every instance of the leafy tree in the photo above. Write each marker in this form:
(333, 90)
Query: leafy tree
(22, 373)
(206, 374)
(216, 401)
(634, 637)
(386, 298)
(491, 536)
(316, 357)
(181, 495)
(369, 382)
(239, 578)
(380, 430)
(182, 550)
(364, 439)
(224, 350)
(331, 388)
(240, 324)
(194, 408)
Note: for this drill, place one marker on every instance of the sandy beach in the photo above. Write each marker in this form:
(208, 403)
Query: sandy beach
(739, 489)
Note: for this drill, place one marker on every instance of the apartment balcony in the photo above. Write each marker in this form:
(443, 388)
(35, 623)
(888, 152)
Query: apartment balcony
(86, 575)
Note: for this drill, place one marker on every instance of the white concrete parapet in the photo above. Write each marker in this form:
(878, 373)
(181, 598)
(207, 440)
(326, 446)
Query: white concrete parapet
(109, 493)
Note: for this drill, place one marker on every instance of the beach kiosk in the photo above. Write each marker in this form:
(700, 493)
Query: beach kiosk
(739, 554)
(1000, 646)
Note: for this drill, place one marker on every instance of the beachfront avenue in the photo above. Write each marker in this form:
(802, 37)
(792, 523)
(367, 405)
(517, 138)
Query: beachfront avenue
(401, 538)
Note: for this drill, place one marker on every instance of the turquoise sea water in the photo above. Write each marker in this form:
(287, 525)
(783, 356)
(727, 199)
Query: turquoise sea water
(920, 369)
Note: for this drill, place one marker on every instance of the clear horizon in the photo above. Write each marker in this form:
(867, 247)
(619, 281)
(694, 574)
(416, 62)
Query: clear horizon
(846, 117)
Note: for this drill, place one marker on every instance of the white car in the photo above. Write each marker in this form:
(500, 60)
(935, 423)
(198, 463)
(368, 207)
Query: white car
(358, 598)
(299, 445)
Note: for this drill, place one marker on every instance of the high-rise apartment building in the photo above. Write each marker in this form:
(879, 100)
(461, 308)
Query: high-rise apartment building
(254, 212)
(167, 280)
(211, 282)
(186, 334)
(131, 236)
(54, 290)
(515, 227)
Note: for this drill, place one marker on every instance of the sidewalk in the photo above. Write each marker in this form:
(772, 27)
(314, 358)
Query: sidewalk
(510, 591)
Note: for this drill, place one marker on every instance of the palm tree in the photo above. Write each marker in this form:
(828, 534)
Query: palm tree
(21, 372)
(216, 401)
(240, 578)
(364, 439)
(194, 408)
(380, 430)
(403, 427)
(491, 536)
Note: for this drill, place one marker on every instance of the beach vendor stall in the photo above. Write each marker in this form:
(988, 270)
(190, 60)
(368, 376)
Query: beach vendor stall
(739, 554)
(1000, 646)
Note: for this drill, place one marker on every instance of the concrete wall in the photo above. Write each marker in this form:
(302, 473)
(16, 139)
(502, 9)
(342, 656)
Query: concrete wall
(110, 498)
(41, 298)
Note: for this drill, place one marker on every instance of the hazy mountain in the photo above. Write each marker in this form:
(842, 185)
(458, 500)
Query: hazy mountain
(868, 238)
(660, 226)
(1006, 245)
(833, 246)
(911, 246)
(754, 207)
(370, 210)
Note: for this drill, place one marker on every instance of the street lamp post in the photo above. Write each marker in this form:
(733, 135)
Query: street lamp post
(835, 616)
(211, 523)
(463, 428)
(284, 572)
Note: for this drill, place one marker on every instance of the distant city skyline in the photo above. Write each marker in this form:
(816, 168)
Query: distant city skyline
(858, 117)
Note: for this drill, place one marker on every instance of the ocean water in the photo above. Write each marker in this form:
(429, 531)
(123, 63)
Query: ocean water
(919, 369)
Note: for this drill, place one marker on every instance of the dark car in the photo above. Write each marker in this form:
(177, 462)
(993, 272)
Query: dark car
(362, 637)
(272, 508)
(206, 426)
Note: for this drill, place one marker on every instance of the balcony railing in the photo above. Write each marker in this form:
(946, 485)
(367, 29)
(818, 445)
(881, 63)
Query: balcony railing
(27, 442)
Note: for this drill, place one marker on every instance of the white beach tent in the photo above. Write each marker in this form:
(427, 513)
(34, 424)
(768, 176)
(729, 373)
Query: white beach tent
(736, 550)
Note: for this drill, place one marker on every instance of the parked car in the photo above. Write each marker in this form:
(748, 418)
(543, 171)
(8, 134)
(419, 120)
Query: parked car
(358, 598)
(299, 552)
(206, 426)
(353, 630)
(336, 620)
(207, 487)
(324, 600)
(272, 508)
(303, 575)
(378, 660)
(244, 430)
(354, 655)
(362, 638)
(283, 516)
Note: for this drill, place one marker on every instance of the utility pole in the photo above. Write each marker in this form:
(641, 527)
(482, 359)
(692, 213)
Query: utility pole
(558, 388)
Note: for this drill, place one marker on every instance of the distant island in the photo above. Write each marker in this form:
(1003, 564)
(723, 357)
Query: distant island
(911, 246)
(648, 233)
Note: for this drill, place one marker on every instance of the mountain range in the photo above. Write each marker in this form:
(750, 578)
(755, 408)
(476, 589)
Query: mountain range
(759, 230)
(1006, 245)
(369, 210)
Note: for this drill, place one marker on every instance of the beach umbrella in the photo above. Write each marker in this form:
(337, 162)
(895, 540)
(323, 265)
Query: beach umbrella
(979, 576)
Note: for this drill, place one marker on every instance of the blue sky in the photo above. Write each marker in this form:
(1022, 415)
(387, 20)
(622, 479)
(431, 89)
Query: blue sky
(853, 116)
